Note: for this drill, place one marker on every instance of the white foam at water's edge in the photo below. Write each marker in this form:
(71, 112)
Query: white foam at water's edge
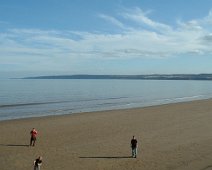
(162, 101)
(112, 107)
(185, 98)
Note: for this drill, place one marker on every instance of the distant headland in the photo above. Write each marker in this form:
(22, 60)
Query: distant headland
(130, 77)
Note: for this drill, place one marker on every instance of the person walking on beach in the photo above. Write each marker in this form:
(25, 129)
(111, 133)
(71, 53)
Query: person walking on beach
(134, 146)
(33, 134)
(37, 163)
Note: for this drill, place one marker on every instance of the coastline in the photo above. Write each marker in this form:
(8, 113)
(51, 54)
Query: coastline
(171, 136)
(151, 104)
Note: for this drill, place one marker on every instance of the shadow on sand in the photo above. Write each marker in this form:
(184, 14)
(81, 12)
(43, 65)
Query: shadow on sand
(14, 145)
(105, 157)
(207, 168)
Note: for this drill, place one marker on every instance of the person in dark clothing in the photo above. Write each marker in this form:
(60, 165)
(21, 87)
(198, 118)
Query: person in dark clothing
(37, 163)
(134, 146)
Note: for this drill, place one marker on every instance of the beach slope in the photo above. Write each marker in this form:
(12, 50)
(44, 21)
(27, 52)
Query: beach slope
(170, 137)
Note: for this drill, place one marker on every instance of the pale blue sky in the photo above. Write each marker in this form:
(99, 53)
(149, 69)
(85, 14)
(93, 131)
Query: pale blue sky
(45, 37)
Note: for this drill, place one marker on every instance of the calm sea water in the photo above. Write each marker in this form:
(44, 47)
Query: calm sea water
(32, 98)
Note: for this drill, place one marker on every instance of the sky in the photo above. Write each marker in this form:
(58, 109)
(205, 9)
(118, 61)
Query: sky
(60, 37)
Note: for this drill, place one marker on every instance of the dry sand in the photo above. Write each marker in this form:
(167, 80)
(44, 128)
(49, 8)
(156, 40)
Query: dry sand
(170, 137)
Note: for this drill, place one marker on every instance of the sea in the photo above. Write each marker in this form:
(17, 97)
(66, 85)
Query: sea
(23, 98)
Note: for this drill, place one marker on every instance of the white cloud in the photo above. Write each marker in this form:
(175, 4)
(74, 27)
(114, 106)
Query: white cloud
(153, 39)
(140, 17)
(112, 20)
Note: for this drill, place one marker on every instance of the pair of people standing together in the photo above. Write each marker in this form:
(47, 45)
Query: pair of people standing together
(37, 162)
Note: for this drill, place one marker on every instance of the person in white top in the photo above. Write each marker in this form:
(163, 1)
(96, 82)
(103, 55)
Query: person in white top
(37, 163)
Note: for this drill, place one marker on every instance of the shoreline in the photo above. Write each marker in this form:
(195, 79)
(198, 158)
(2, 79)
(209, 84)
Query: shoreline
(105, 110)
(175, 136)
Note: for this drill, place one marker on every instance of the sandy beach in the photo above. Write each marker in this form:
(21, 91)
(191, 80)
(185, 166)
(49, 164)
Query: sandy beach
(170, 137)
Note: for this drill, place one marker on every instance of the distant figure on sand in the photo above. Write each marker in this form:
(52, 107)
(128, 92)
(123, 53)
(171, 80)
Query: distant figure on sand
(33, 134)
(37, 163)
(134, 146)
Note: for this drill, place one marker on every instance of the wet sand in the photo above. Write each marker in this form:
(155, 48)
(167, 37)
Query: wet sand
(170, 137)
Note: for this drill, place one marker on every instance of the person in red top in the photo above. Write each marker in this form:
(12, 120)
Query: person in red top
(33, 134)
